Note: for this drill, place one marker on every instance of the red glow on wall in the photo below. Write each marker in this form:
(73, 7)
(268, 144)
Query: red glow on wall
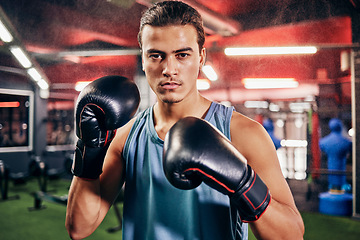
(335, 30)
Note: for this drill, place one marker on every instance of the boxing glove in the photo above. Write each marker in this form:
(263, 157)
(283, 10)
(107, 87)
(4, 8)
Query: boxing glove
(196, 152)
(102, 106)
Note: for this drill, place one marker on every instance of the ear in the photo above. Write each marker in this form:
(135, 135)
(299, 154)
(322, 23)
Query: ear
(202, 57)
(142, 63)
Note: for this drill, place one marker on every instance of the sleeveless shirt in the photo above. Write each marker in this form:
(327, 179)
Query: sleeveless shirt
(154, 209)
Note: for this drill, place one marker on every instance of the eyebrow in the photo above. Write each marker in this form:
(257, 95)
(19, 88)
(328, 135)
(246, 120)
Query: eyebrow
(184, 50)
(176, 51)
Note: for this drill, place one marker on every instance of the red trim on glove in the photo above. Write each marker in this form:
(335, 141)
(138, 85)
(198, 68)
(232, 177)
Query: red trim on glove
(257, 217)
(249, 199)
(212, 178)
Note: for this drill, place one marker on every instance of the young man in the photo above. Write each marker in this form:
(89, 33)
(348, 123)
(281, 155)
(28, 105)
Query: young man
(171, 38)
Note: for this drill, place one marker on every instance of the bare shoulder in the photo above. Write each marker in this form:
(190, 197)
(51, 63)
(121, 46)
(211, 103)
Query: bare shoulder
(255, 144)
(239, 120)
(248, 134)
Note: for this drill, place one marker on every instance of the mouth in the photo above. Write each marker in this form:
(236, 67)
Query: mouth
(170, 85)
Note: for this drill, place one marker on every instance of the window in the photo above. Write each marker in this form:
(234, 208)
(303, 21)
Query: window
(16, 116)
(60, 123)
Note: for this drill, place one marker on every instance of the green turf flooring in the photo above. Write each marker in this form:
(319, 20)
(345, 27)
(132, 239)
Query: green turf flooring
(17, 222)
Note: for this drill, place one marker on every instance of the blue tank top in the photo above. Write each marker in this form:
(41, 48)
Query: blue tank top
(154, 209)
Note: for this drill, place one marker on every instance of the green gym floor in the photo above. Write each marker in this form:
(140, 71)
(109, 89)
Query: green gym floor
(17, 222)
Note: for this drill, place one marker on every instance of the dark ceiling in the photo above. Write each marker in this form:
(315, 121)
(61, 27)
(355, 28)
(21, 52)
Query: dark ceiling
(79, 40)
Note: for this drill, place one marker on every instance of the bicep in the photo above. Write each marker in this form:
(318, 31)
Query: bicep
(266, 164)
(113, 175)
(256, 146)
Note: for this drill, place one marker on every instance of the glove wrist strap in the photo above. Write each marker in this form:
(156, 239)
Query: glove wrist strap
(253, 200)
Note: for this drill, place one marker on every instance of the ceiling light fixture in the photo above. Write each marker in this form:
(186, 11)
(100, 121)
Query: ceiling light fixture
(20, 56)
(274, 107)
(23, 58)
(209, 72)
(79, 86)
(43, 84)
(293, 143)
(5, 35)
(256, 104)
(34, 74)
(37, 77)
(202, 84)
(299, 107)
(265, 83)
(248, 51)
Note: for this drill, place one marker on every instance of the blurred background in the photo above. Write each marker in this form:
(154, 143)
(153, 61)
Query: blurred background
(290, 65)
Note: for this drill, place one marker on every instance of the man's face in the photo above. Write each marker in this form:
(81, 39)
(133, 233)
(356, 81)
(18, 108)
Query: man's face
(171, 61)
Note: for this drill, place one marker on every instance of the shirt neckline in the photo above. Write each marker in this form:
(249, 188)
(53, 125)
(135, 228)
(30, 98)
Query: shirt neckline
(151, 126)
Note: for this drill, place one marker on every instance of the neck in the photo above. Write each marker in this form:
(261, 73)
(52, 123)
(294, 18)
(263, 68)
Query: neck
(167, 114)
(196, 107)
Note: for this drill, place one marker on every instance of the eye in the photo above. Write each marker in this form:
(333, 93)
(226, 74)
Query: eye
(182, 55)
(155, 56)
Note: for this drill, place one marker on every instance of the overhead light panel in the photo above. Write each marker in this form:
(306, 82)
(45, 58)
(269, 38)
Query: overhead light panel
(80, 85)
(209, 72)
(299, 107)
(5, 35)
(23, 58)
(34, 74)
(265, 83)
(274, 107)
(250, 51)
(293, 143)
(256, 104)
(43, 84)
(20, 56)
(202, 84)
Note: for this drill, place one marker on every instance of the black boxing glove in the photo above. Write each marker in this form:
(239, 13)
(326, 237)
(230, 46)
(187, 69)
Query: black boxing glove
(195, 152)
(102, 106)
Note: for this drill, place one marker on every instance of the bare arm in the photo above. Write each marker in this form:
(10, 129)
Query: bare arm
(83, 208)
(281, 220)
(90, 200)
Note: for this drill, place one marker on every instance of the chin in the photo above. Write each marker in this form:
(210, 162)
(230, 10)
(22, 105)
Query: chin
(168, 99)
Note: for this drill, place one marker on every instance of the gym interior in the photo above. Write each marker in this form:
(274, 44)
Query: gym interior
(293, 66)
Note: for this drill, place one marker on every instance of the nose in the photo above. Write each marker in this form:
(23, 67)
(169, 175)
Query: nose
(170, 67)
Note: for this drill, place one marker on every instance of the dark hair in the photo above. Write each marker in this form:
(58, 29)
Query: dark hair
(168, 13)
